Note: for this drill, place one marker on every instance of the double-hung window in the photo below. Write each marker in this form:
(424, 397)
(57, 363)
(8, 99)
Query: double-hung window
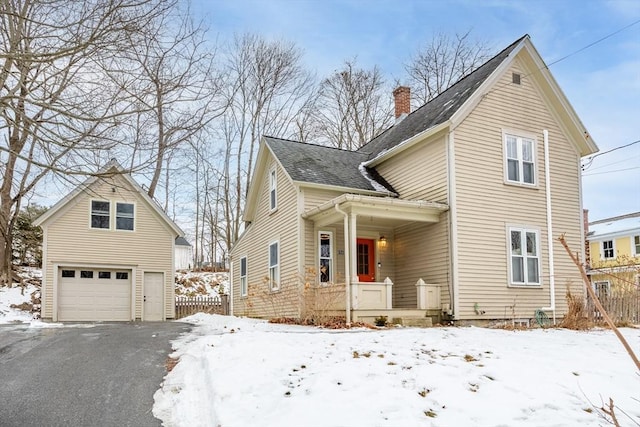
(520, 165)
(124, 216)
(274, 266)
(524, 256)
(607, 249)
(325, 250)
(602, 289)
(100, 214)
(243, 276)
(273, 201)
(636, 245)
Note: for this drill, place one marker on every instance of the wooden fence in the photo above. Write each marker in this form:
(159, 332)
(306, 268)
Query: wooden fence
(623, 307)
(211, 305)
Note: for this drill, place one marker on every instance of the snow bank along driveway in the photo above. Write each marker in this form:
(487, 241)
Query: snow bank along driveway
(241, 372)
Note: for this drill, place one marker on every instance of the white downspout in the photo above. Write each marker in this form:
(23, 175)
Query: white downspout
(347, 262)
(547, 178)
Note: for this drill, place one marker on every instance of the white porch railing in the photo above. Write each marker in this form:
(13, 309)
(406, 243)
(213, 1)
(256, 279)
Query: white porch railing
(378, 295)
(371, 295)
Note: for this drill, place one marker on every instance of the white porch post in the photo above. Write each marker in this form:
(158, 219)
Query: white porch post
(353, 258)
(388, 285)
(347, 274)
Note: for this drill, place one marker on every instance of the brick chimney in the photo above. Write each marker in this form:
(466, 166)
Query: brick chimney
(402, 99)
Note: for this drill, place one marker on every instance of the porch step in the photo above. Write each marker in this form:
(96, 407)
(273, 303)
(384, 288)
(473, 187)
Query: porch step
(421, 322)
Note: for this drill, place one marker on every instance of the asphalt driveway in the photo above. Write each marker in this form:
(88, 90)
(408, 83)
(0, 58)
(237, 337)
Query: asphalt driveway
(101, 374)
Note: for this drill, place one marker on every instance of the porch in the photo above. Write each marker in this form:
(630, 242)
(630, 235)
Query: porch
(390, 254)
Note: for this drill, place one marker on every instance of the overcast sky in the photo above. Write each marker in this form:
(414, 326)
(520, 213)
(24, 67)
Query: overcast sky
(602, 82)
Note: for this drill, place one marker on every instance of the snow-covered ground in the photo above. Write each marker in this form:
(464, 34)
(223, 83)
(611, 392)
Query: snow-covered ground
(201, 283)
(246, 372)
(15, 296)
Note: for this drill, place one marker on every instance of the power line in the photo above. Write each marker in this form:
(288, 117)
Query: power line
(589, 160)
(612, 171)
(594, 43)
(546, 66)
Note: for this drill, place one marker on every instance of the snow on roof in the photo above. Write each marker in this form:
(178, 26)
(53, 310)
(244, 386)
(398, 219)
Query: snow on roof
(616, 225)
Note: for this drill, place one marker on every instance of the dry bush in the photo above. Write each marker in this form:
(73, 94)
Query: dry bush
(576, 317)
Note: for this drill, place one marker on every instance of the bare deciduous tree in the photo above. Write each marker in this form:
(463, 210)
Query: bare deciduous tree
(354, 105)
(171, 77)
(267, 87)
(443, 61)
(55, 109)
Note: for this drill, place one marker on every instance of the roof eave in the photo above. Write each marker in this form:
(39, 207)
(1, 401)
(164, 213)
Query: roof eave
(344, 189)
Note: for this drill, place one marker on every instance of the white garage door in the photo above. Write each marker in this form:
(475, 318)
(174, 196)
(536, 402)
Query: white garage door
(86, 294)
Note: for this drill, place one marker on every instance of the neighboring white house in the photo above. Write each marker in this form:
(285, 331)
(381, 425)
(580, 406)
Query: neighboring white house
(184, 254)
(108, 253)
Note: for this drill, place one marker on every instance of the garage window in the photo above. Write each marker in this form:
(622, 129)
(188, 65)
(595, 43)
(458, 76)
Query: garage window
(99, 214)
(124, 216)
(122, 275)
(104, 275)
(68, 273)
(86, 274)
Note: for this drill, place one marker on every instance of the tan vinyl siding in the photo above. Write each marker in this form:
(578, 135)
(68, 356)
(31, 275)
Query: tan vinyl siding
(420, 172)
(486, 205)
(421, 252)
(282, 226)
(71, 240)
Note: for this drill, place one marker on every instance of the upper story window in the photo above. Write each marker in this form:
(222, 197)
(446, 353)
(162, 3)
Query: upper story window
(100, 214)
(243, 276)
(520, 165)
(273, 201)
(124, 216)
(607, 249)
(274, 266)
(636, 245)
(524, 256)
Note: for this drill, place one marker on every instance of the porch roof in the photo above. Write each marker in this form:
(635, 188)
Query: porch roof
(386, 209)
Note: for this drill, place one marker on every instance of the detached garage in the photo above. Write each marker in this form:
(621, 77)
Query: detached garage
(108, 253)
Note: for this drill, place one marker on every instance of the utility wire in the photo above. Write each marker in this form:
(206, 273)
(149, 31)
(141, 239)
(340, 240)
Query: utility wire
(616, 170)
(589, 160)
(546, 66)
(594, 43)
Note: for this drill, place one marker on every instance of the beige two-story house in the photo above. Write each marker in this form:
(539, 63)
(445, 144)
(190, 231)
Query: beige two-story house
(456, 208)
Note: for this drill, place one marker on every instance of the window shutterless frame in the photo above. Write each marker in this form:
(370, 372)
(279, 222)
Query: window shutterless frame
(100, 216)
(325, 256)
(520, 165)
(273, 190)
(243, 276)
(523, 256)
(274, 266)
(125, 216)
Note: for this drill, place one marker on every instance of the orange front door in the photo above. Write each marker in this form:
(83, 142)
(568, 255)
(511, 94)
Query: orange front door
(364, 252)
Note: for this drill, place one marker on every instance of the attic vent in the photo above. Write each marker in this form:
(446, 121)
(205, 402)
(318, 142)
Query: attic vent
(515, 78)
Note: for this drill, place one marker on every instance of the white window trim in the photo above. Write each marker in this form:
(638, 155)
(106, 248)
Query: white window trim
(633, 244)
(613, 247)
(526, 284)
(91, 214)
(244, 289)
(519, 136)
(331, 255)
(115, 216)
(276, 266)
(273, 188)
(593, 286)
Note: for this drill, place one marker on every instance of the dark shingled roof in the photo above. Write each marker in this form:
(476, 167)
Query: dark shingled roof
(330, 166)
(319, 164)
(181, 241)
(439, 109)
